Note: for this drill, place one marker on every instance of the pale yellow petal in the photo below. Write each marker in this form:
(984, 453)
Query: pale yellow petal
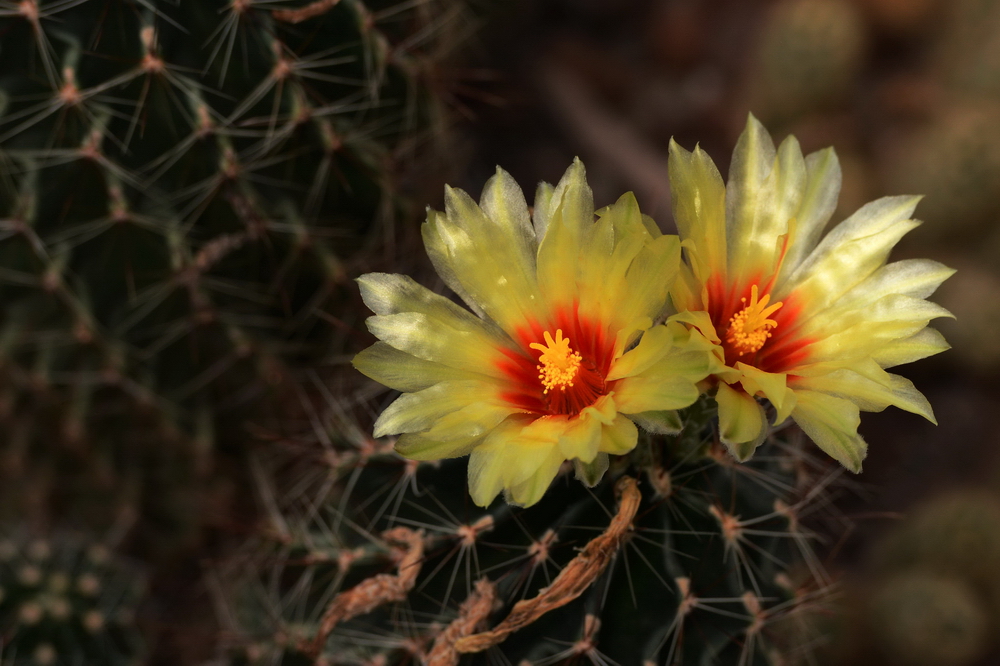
(699, 206)
(490, 258)
(654, 344)
(871, 394)
(417, 446)
(851, 252)
(431, 339)
(752, 162)
(756, 243)
(648, 280)
(668, 384)
(619, 437)
(914, 278)
(570, 216)
(405, 372)
(742, 426)
(413, 412)
(488, 464)
(772, 385)
(832, 423)
(529, 491)
(922, 344)
(819, 201)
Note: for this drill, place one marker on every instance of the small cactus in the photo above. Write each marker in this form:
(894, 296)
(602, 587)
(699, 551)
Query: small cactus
(808, 54)
(67, 600)
(924, 619)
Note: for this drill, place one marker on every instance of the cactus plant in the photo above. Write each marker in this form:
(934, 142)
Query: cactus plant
(809, 52)
(920, 618)
(183, 185)
(67, 599)
(680, 556)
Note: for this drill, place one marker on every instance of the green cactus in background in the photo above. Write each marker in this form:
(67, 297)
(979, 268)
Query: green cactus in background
(67, 600)
(923, 619)
(931, 592)
(703, 561)
(955, 160)
(808, 54)
(956, 535)
(183, 188)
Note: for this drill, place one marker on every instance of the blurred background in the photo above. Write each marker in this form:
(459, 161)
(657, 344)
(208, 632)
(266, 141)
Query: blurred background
(186, 200)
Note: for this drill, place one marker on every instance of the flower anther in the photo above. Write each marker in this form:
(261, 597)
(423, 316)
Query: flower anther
(750, 328)
(559, 364)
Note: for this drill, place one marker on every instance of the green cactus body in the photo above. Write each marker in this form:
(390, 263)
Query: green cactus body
(715, 567)
(182, 186)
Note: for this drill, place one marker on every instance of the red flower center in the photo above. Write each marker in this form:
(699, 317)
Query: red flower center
(754, 330)
(559, 374)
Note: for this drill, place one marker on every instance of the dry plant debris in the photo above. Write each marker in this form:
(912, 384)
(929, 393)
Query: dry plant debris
(473, 611)
(311, 10)
(372, 592)
(572, 581)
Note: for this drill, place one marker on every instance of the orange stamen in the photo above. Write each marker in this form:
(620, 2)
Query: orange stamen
(559, 364)
(750, 328)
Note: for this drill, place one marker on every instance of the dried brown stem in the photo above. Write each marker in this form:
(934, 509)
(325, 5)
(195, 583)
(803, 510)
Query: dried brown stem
(301, 14)
(473, 611)
(372, 592)
(572, 581)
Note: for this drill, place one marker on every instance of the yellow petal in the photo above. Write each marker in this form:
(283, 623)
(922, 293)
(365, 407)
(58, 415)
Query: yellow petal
(488, 462)
(417, 446)
(431, 339)
(529, 491)
(490, 259)
(914, 278)
(832, 423)
(655, 343)
(413, 412)
(819, 201)
(699, 206)
(765, 204)
(922, 344)
(666, 385)
(649, 278)
(570, 216)
(871, 394)
(701, 321)
(405, 372)
(742, 426)
(851, 252)
(619, 437)
(772, 385)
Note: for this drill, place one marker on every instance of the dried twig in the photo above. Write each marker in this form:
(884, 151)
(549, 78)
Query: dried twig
(572, 581)
(472, 612)
(301, 14)
(372, 592)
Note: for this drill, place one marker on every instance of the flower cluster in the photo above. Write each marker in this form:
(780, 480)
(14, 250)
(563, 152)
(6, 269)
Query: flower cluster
(582, 326)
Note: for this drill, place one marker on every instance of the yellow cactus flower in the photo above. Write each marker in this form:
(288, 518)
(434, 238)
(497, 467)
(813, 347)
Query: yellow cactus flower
(807, 321)
(546, 367)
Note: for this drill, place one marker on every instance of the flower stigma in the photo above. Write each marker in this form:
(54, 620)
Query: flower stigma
(559, 364)
(750, 328)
